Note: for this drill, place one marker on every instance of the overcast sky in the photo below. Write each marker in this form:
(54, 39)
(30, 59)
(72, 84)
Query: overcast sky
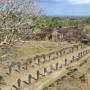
(65, 7)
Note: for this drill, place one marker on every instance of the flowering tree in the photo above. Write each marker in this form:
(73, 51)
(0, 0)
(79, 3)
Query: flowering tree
(15, 15)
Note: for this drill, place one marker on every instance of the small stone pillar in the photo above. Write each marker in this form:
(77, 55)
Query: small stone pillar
(19, 84)
(1, 79)
(60, 54)
(56, 54)
(57, 66)
(44, 57)
(29, 78)
(10, 69)
(63, 51)
(38, 61)
(79, 56)
(77, 47)
(26, 66)
(45, 71)
(19, 67)
(51, 69)
(38, 75)
(30, 61)
(65, 62)
(49, 57)
(72, 49)
(73, 58)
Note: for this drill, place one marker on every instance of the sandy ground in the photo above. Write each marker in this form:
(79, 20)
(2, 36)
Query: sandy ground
(54, 76)
(12, 79)
(73, 81)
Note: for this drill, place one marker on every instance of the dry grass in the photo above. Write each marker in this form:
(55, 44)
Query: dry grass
(24, 50)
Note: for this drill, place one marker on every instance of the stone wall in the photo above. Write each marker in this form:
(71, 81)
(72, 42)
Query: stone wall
(67, 33)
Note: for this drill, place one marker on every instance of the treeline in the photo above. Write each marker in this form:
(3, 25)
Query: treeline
(47, 21)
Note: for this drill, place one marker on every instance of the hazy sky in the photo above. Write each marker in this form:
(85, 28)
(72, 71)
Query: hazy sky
(65, 7)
